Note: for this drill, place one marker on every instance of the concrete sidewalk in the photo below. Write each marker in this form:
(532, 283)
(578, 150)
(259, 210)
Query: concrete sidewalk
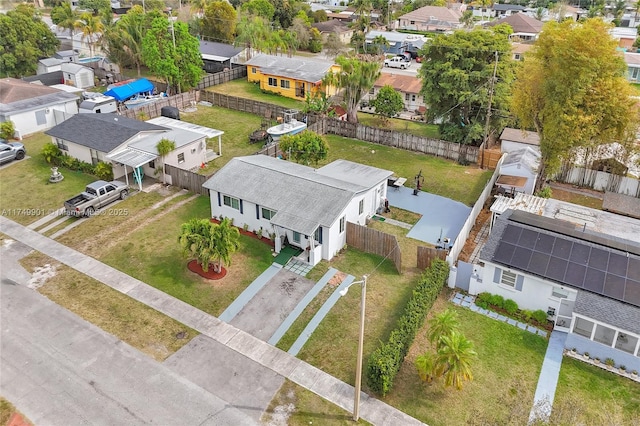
(288, 366)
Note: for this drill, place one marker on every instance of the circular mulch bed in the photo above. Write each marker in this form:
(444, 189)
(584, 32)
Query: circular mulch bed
(210, 275)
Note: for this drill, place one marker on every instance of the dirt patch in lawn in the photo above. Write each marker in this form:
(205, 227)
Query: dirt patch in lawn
(337, 279)
(195, 267)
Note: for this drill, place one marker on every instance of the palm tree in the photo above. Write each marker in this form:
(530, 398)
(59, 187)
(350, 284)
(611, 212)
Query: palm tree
(65, 17)
(426, 364)
(253, 33)
(225, 242)
(90, 26)
(381, 43)
(164, 147)
(453, 359)
(442, 325)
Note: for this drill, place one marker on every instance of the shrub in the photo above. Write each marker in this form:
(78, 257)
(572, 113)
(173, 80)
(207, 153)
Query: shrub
(544, 192)
(540, 316)
(483, 297)
(526, 315)
(7, 129)
(610, 362)
(103, 171)
(510, 306)
(52, 154)
(385, 362)
(482, 304)
(497, 301)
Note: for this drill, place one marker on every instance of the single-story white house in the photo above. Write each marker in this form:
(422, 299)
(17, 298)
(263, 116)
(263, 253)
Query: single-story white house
(515, 139)
(298, 205)
(519, 171)
(77, 75)
(33, 107)
(46, 65)
(129, 145)
(579, 265)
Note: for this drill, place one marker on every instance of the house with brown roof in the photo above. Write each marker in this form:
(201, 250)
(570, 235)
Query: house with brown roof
(33, 107)
(408, 86)
(432, 18)
(515, 139)
(519, 50)
(525, 28)
(633, 66)
(340, 28)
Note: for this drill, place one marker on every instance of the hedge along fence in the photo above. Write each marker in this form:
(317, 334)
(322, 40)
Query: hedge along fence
(385, 362)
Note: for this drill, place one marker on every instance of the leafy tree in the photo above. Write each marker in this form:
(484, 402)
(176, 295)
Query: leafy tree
(380, 44)
(333, 46)
(169, 51)
(301, 32)
(24, 38)
(315, 44)
(65, 17)
(319, 103)
(262, 8)
(467, 18)
(456, 81)
(285, 11)
(453, 359)
(94, 6)
(150, 5)
(388, 102)
(356, 77)
(7, 129)
(252, 32)
(219, 21)
(319, 16)
(442, 325)
(572, 90)
(306, 147)
(164, 148)
(198, 6)
(209, 242)
(91, 27)
(123, 42)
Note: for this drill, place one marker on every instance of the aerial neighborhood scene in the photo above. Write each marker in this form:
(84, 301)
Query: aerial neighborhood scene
(288, 212)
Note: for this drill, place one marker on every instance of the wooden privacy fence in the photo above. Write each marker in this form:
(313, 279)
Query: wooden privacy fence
(209, 80)
(263, 109)
(376, 242)
(426, 255)
(181, 101)
(187, 179)
(272, 150)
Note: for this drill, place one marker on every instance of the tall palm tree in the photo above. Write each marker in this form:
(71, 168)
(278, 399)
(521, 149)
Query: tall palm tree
(65, 17)
(442, 325)
(90, 26)
(381, 43)
(453, 359)
(225, 241)
(164, 147)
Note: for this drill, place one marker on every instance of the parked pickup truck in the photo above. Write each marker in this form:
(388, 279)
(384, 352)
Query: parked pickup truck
(97, 194)
(397, 62)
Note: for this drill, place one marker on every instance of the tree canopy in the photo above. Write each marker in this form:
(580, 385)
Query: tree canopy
(172, 53)
(219, 21)
(209, 242)
(572, 90)
(388, 102)
(456, 81)
(94, 6)
(356, 77)
(24, 38)
(306, 147)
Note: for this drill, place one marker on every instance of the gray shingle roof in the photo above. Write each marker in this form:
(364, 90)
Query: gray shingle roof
(304, 69)
(302, 197)
(609, 311)
(522, 136)
(102, 132)
(219, 49)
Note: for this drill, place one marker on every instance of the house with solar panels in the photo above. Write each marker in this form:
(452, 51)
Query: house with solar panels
(580, 265)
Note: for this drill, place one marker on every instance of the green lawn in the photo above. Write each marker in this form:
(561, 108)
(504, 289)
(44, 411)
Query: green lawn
(244, 89)
(406, 126)
(26, 192)
(152, 255)
(590, 395)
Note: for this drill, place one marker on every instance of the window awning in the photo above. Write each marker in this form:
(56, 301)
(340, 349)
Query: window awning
(132, 158)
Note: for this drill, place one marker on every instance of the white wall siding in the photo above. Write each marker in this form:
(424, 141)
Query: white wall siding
(194, 155)
(26, 122)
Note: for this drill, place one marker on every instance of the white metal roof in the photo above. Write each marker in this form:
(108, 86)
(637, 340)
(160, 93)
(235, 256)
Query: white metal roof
(178, 124)
(526, 202)
(132, 157)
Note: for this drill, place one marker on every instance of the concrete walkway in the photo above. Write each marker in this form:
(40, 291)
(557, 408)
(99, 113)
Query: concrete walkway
(548, 380)
(286, 365)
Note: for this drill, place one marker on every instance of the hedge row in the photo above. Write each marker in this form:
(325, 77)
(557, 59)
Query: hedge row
(384, 363)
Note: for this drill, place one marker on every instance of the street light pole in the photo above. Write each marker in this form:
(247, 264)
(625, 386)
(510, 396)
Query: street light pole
(358, 385)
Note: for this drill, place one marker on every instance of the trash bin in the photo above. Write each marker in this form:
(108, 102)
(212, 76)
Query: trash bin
(170, 112)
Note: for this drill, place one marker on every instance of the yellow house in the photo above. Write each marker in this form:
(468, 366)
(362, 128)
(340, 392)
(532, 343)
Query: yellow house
(290, 77)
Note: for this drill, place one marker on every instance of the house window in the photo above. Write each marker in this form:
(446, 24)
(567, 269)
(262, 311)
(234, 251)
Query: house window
(406, 96)
(253, 70)
(583, 328)
(181, 158)
(318, 235)
(508, 278)
(372, 91)
(342, 220)
(361, 206)
(559, 293)
(634, 74)
(412, 22)
(626, 343)
(152, 164)
(234, 203)
(413, 98)
(516, 56)
(267, 214)
(296, 237)
(273, 82)
(285, 84)
(62, 145)
(41, 117)
(604, 335)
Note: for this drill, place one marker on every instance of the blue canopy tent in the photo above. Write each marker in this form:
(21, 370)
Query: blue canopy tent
(124, 92)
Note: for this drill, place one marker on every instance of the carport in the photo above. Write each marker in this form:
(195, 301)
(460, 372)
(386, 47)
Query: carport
(134, 159)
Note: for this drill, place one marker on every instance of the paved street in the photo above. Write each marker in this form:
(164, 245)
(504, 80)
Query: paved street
(60, 370)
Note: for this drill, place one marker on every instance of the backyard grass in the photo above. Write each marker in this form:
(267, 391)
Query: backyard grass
(592, 396)
(408, 246)
(152, 254)
(142, 327)
(505, 375)
(244, 89)
(304, 408)
(402, 215)
(6, 411)
(405, 126)
(582, 200)
(26, 192)
(441, 177)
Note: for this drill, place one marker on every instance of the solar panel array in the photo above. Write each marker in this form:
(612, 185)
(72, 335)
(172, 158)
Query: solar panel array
(598, 269)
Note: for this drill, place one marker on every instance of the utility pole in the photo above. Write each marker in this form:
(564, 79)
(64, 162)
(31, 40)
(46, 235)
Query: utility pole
(486, 125)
